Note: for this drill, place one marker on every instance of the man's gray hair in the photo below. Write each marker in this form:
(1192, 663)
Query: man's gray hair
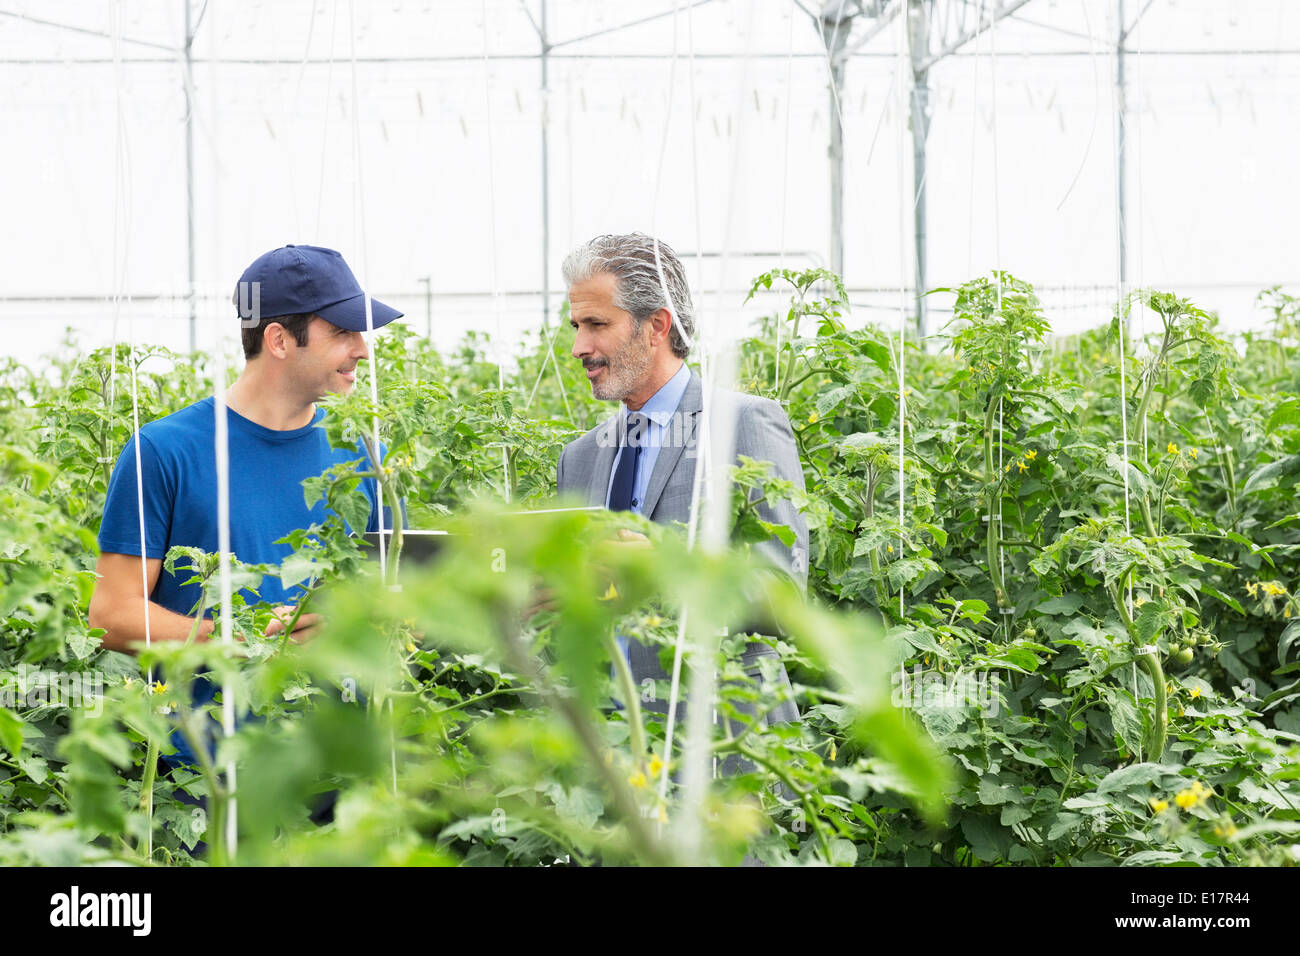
(631, 260)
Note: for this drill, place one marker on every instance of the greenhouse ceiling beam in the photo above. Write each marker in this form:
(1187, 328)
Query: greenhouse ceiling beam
(471, 58)
(1133, 26)
(1047, 26)
(94, 33)
(884, 20)
(1005, 10)
(631, 23)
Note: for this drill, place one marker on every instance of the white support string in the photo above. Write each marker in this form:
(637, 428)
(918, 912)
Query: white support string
(359, 226)
(974, 114)
(785, 190)
(121, 245)
(997, 269)
(693, 515)
(359, 239)
(492, 232)
(904, 67)
(1120, 323)
(222, 450)
(717, 372)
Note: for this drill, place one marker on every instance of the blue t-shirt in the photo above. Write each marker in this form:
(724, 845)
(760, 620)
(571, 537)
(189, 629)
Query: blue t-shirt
(179, 468)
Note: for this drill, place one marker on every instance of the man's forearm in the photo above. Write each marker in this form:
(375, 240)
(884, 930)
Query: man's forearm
(124, 623)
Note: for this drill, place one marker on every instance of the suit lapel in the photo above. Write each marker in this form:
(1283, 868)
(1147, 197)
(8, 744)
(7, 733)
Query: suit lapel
(675, 439)
(606, 449)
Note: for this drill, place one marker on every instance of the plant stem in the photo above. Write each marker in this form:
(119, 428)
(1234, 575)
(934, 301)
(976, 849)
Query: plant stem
(631, 702)
(789, 365)
(991, 534)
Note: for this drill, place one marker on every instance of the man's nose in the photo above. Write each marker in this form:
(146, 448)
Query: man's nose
(359, 348)
(580, 347)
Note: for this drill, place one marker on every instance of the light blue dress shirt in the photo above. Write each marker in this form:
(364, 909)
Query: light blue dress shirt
(660, 410)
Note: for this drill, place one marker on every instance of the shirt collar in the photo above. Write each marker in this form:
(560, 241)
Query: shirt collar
(663, 403)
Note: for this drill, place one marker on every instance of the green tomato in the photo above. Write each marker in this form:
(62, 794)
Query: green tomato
(1175, 649)
(1184, 656)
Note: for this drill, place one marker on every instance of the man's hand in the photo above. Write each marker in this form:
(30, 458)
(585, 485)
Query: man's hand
(630, 539)
(304, 629)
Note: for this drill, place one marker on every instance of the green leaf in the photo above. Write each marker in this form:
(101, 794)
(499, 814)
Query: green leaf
(1133, 776)
(1286, 413)
(1125, 718)
(295, 569)
(1284, 471)
(1151, 620)
(1066, 604)
(11, 731)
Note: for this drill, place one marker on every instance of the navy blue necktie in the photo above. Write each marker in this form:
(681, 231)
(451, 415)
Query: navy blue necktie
(632, 438)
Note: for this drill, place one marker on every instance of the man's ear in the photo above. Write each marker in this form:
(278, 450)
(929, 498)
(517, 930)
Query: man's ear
(661, 326)
(276, 339)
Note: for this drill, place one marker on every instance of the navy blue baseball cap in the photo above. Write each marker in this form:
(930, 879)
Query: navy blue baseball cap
(301, 279)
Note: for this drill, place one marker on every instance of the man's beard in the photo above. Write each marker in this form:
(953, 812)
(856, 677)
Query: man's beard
(625, 371)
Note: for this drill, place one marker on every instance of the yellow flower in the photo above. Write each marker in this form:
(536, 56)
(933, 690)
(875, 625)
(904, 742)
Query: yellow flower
(654, 620)
(1159, 806)
(1008, 467)
(656, 765)
(662, 816)
(812, 418)
(1139, 601)
(1286, 611)
(410, 647)
(1185, 799)
(833, 751)
(1172, 449)
(1252, 588)
(1229, 830)
(159, 687)
(637, 780)
(1192, 452)
(1031, 454)
(610, 593)
(891, 549)
(1196, 692)
(1022, 466)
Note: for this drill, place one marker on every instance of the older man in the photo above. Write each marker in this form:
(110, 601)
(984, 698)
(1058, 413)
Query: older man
(632, 341)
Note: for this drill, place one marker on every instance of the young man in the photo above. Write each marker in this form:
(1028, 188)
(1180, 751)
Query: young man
(303, 315)
(633, 351)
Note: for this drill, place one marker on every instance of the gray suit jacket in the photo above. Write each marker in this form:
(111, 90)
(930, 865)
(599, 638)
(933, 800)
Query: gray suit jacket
(762, 432)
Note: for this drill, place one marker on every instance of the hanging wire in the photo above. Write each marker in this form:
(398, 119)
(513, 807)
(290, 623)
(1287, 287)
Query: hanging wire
(325, 121)
(1096, 105)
